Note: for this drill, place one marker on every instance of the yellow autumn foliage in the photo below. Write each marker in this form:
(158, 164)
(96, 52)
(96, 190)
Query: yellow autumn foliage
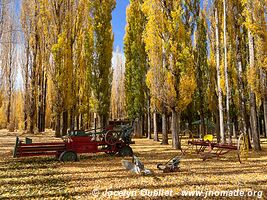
(3, 121)
(251, 78)
(18, 110)
(170, 89)
(187, 87)
(171, 78)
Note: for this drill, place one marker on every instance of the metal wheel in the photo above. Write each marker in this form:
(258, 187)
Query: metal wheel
(111, 137)
(126, 151)
(68, 156)
(242, 147)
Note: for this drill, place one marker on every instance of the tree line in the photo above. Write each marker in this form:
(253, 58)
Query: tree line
(197, 60)
(65, 51)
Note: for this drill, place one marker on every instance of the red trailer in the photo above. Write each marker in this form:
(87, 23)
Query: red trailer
(79, 142)
(206, 148)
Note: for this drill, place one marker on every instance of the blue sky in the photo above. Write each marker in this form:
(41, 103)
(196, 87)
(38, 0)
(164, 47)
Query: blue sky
(119, 22)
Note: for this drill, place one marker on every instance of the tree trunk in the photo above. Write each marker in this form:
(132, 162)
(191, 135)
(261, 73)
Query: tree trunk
(164, 128)
(9, 74)
(265, 114)
(156, 138)
(25, 121)
(40, 100)
(9, 108)
(148, 125)
(226, 75)
(26, 94)
(98, 121)
(138, 128)
(218, 135)
(78, 122)
(222, 135)
(103, 121)
(202, 119)
(58, 125)
(242, 100)
(72, 122)
(175, 129)
(254, 128)
(64, 123)
(33, 80)
(44, 100)
(81, 122)
(145, 125)
(260, 125)
(234, 132)
(53, 124)
(265, 103)
(32, 108)
(253, 112)
(142, 125)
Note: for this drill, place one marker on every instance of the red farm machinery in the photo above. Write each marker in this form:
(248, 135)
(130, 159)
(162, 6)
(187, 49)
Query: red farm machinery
(112, 140)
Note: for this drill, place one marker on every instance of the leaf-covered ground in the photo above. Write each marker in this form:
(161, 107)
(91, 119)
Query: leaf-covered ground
(100, 176)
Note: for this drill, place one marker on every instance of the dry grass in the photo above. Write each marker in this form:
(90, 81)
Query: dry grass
(47, 178)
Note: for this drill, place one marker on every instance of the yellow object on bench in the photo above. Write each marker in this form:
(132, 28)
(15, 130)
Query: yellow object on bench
(208, 137)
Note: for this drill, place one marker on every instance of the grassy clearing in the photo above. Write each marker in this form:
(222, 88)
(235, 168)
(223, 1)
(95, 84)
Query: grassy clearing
(47, 178)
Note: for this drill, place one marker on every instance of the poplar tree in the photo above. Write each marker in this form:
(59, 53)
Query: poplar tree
(174, 82)
(30, 19)
(9, 60)
(103, 47)
(201, 62)
(252, 9)
(220, 95)
(136, 67)
(226, 69)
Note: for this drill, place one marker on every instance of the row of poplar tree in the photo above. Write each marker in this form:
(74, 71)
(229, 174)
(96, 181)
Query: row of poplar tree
(192, 59)
(64, 50)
